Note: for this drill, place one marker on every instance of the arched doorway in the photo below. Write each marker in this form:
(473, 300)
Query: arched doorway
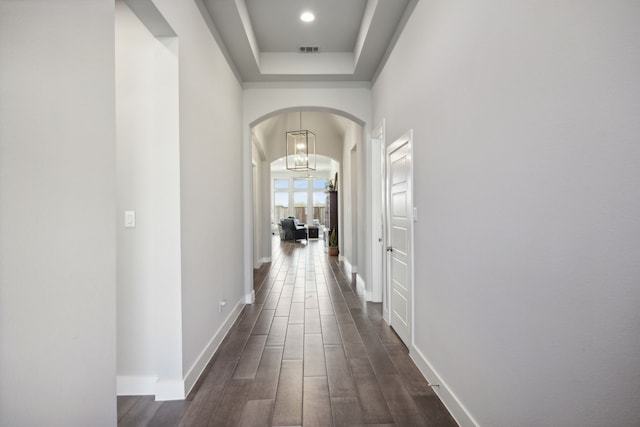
(340, 136)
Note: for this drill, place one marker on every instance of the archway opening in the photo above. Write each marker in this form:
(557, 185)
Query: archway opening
(283, 193)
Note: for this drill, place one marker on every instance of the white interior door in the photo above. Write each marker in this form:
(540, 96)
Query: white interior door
(399, 236)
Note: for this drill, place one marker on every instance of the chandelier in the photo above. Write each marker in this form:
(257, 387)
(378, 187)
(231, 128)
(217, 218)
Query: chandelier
(301, 149)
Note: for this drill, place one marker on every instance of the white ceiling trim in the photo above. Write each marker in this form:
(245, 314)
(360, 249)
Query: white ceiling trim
(204, 12)
(248, 30)
(316, 63)
(150, 16)
(367, 19)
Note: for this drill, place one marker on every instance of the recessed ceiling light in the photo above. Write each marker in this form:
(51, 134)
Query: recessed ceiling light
(307, 17)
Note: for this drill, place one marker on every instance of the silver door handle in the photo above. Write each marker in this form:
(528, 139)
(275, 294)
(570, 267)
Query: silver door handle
(389, 249)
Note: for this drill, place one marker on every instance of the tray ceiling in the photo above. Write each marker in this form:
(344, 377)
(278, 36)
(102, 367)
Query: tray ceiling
(261, 39)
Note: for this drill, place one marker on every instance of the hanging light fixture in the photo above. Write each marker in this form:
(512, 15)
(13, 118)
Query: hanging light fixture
(301, 149)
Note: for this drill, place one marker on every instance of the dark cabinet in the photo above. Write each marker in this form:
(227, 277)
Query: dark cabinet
(331, 214)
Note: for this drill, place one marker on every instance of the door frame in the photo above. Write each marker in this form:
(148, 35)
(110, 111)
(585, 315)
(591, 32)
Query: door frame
(256, 238)
(377, 243)
(406, 138)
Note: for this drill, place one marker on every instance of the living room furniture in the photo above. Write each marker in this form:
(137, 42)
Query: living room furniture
(312, 231)
(291, 230)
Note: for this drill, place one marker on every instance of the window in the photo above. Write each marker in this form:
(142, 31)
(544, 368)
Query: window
(319, 184)
(281, 184)
(319, 205)
(300, 184)
(280, 199)
(300, 203)
(295, 197)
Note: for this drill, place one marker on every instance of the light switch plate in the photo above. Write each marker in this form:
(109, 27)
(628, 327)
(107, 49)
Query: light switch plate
(129, 219)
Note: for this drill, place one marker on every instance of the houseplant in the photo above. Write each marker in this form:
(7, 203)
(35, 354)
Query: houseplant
(333, 243)
(329, 186)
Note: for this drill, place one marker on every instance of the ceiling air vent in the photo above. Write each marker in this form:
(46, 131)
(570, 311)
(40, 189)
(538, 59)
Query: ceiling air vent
(309, 49)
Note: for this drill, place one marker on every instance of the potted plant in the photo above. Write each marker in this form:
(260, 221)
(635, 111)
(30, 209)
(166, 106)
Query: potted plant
(333, 243)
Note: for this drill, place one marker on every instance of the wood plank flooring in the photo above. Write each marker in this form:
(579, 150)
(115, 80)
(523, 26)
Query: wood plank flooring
(309, 352)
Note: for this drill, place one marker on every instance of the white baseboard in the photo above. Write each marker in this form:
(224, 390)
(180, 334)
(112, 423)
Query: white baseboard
(266, 259)
(201, 362)
(250, 297)
(150, 386)
(135, 385)
(170, 390)
(361, 287)
(448, 398)
(348, 268)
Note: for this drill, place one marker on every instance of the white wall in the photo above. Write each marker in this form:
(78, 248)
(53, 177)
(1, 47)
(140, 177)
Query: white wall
(354, 188)
(346, 203)
(57, 204)
(262, 219)
(210, 186)
(261, 99)
(259, 231)
(373, 237)
(148, 256)
(527, 243)
(265, 183)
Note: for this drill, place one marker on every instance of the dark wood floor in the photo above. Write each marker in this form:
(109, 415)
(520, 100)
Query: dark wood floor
(310, 352)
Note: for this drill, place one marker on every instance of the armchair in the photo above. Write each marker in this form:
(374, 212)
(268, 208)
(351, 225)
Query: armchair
(289, 230)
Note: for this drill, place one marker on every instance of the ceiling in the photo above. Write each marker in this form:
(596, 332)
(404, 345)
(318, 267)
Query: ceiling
(330, 130)
(261, 39)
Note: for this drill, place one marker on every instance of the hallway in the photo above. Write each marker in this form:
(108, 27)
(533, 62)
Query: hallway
(308, 352)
